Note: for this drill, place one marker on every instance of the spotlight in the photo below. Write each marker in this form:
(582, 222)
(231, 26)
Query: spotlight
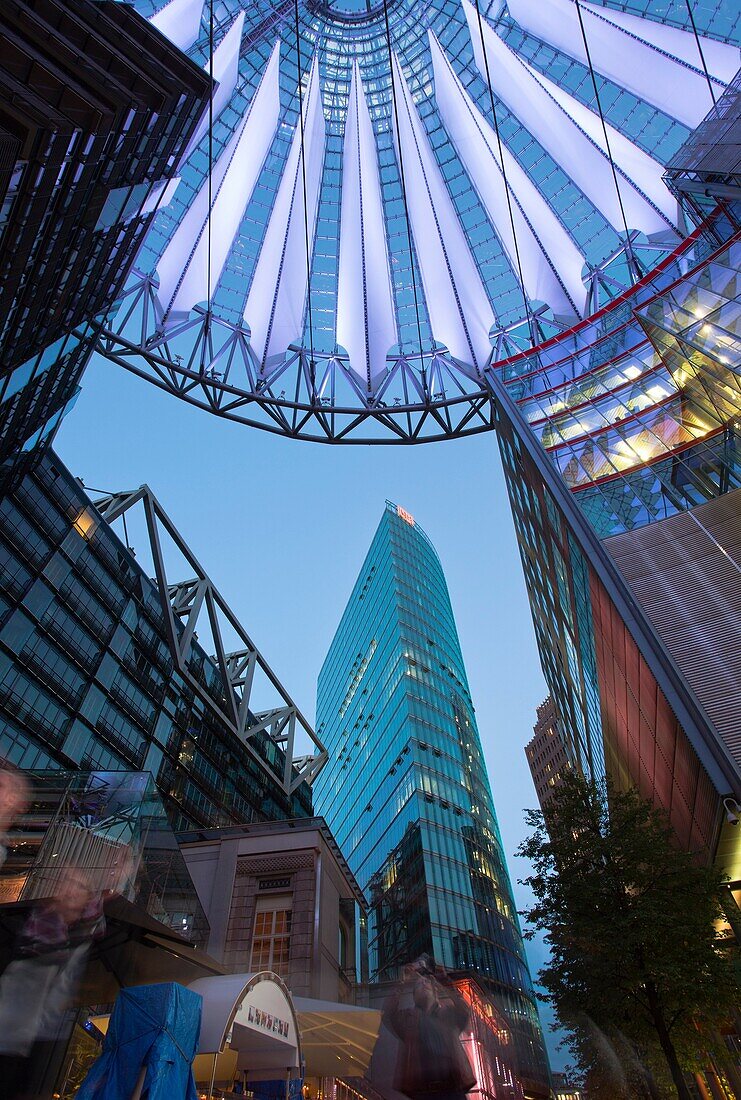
(733, 811)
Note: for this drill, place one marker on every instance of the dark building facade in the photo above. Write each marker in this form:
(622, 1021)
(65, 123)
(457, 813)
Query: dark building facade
(546, 753)
(406, 791)
(101, 669)
(96, 108)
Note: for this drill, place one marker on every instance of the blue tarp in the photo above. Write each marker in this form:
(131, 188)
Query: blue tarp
(156, 1026)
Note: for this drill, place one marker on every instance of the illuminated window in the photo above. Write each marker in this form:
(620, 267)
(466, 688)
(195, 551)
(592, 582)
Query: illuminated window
(85, 524)
(272, 936)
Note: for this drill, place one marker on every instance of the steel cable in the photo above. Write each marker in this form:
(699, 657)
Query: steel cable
(700, 50)
(628, 246)
(395, 107)
(305, 196)
(528, 311)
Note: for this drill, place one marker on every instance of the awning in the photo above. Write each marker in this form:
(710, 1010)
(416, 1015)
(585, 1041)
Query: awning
(249, 1024)
(337, 1039)
(135, 950)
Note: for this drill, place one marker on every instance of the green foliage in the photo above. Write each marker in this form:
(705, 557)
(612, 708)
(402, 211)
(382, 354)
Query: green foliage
(637, 975)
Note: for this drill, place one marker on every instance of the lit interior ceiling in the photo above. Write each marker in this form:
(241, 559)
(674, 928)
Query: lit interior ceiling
(384, 197)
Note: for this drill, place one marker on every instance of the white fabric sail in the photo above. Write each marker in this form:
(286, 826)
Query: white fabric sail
(721, 58)
(184, 266)
(460, 313)
(180, 21)
(225, 74)
(276, 302)
(637, 167)
(584, 161)
(550, 261)
(366, 321)
(646, 68)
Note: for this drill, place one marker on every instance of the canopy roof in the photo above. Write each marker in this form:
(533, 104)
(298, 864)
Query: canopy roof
(135, 950)
(337, 1039)
(331, 1039)
(251, 1016)
(376, 215)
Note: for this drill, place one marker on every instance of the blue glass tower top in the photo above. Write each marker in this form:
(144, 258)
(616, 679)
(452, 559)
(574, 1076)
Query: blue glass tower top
(406, 791)
(385, 691)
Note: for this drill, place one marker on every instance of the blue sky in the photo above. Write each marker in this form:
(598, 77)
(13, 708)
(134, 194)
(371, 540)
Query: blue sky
(282, 528)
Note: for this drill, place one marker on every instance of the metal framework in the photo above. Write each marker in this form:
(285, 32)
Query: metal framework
(208, 362)
(708, 166)
(186, 603)
(384, 205)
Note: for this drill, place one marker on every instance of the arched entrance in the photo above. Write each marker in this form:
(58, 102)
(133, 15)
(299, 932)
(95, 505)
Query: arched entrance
(249, 1031)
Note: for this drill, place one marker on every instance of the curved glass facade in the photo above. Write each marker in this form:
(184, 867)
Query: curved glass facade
(638, 408)
(405, 790)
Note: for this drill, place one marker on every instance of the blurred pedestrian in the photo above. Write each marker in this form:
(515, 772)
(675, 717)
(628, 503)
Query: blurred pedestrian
(40, 983)
(427, 1014)
(14, 798)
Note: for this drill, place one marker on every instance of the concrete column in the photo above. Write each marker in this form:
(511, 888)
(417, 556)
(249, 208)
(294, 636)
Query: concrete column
(220, 903)
(317, 940)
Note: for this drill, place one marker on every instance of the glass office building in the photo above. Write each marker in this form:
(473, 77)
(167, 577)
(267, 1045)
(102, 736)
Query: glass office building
(99, 823)
(625, 510)
(101, 669)
(406, 792)
(88, 152)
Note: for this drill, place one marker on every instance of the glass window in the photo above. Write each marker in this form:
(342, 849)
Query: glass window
(272, 936)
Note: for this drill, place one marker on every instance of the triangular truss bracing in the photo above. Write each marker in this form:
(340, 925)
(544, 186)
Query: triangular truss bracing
(230, 689)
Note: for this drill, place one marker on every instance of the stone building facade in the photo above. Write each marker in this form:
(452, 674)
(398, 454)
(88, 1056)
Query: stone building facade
(279, 896)
(546, 753)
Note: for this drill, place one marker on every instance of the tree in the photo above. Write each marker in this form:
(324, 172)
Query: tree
(636, 966)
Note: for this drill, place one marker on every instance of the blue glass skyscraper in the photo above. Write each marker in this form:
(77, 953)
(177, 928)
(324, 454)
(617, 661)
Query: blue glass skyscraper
(406, 791)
